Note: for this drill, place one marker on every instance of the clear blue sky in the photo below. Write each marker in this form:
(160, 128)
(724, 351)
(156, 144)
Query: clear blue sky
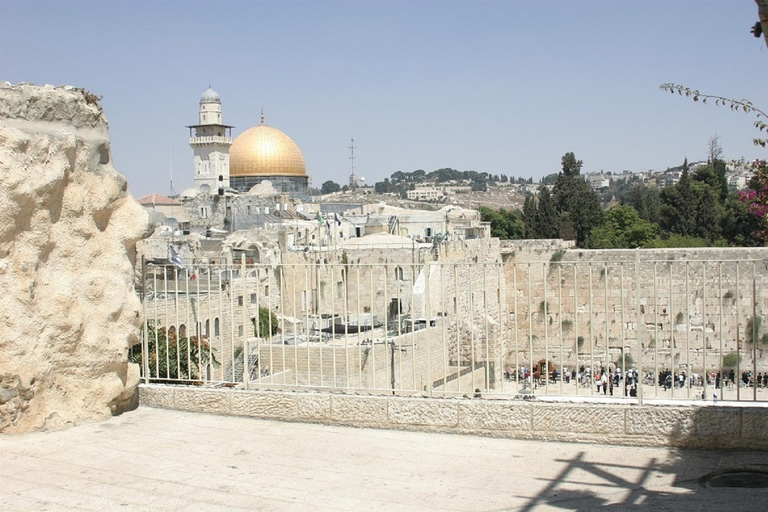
(502, 87)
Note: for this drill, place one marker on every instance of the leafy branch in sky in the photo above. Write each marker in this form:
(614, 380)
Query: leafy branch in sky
(743, 105)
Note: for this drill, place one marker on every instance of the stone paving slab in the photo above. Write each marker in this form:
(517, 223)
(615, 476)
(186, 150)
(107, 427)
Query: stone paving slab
(176, 461)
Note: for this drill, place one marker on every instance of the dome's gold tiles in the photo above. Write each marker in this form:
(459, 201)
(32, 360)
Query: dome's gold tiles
(264, 150)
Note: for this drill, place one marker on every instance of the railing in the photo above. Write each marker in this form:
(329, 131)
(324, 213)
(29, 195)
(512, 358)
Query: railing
(641, 328)
(210, 139)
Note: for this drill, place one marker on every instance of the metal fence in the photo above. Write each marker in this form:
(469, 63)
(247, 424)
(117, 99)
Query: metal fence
(633, 327)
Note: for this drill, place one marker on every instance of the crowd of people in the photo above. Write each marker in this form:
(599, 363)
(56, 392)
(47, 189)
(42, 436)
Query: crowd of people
(607, 380)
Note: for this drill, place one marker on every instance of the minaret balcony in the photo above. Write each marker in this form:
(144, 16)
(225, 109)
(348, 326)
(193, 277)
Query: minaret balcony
(210, 139)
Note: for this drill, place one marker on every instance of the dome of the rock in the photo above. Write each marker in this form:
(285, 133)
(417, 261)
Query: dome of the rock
(265, 151)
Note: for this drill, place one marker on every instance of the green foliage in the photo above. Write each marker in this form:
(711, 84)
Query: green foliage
(731, 360)
(505, 224)
(580, 341)
(625, 361)
(571, 166)
(622, 229)
(543, 306)
(735, 105)
(557, 256)
(673, 241)
(566, 325)
(547, 219)
(329, 187)
(267, 325)
(173, 357)
(754, 326)
(530, 217)
(646, 201)
(739, 224)
(577, 204)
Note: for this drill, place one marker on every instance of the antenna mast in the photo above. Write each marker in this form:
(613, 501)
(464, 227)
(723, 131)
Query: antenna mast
(170, 162)
(353, 181)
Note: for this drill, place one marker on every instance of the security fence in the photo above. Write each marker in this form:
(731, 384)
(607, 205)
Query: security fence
(632, 327)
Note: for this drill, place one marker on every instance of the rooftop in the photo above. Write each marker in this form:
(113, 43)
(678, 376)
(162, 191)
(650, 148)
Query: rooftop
(171, 460)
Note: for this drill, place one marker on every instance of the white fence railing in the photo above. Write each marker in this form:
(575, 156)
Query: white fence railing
(638, 329)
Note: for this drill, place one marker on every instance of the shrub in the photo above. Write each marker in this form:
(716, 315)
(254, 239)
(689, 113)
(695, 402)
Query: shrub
(267, 323)
(174, 357)
(731, 360)
(752, 332)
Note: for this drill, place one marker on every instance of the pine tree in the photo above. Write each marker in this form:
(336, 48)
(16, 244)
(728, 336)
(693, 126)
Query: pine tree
(530, 218)
(547, 218)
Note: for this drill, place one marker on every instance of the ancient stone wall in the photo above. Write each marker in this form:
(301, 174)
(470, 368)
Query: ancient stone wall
(708, 426)
(68, 229)
(670, 308)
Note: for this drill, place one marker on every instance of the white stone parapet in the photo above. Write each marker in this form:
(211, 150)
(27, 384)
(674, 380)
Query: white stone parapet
(211, 139)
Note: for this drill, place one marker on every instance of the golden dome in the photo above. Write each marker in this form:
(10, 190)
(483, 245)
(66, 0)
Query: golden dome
(263, 150)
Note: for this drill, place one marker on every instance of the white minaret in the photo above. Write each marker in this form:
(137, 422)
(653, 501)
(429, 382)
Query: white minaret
(210, 140)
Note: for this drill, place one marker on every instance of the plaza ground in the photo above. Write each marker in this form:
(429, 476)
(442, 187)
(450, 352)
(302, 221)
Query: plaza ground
(170, 460)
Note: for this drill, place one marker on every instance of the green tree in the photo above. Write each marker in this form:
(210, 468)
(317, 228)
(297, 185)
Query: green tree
(505, 224)
(680, 206)
(479, 185)
(330, 187)
(739, 224)
(174, 357)
(708, 215)
(577, 204)
(548, 221)
(267, 325)
(646, 201)
(531, 217)
(571, 166)
(623, 229)
(587, 212)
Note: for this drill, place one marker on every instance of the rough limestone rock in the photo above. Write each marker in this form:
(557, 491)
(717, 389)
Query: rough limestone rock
(68, 230)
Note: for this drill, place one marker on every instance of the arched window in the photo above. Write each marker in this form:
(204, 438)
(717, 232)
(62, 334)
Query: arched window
(208, 328)
(216, 327)
(182, 331)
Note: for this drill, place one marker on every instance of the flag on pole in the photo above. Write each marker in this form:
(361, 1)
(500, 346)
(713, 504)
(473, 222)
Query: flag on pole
(319, 218)
(337, 218)
(174, 257)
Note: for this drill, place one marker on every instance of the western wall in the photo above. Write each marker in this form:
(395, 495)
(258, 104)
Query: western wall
(68, 229)
(684, 306)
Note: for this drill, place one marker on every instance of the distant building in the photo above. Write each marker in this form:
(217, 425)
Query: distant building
(261, 153)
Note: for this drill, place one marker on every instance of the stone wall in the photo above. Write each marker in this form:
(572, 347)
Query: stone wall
(68, 229)
(701, 426)
(672, 308)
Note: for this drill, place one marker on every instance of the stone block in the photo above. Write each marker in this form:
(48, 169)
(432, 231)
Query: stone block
(359, 410)
(754, 424)
(680, 424)
(582, 418)
(313, 406)
(264, 405)
(665, 421)
(494, 415)
(156, 396)
(419, 411)
(717, 422)
(200, 400)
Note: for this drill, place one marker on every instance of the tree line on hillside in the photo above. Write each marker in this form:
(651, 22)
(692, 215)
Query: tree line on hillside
(400, 182)
(697, 211)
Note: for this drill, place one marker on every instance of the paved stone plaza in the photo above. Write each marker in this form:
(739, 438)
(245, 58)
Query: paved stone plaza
(171, 460)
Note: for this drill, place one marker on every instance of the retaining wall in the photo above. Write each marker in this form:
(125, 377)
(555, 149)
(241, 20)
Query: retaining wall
(708, 426)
